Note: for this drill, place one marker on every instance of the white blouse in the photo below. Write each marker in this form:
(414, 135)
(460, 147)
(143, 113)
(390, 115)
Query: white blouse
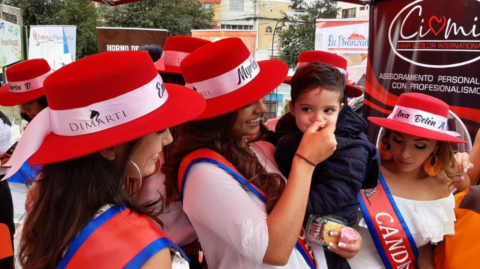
(175, 222)
(428, 222)
(231, 221)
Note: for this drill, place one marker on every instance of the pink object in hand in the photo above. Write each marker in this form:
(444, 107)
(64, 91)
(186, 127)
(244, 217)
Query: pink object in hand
(348, 235)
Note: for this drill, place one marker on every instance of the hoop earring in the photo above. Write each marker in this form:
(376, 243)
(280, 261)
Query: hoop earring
(385, 151)
(432, 165)
(139, 173)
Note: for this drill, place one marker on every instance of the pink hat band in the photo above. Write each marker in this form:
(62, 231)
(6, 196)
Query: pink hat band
(174, 58)
(29, 84)
(422, 119)
(229, 81)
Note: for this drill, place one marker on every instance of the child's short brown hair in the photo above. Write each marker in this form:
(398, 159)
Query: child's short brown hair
(317, 74)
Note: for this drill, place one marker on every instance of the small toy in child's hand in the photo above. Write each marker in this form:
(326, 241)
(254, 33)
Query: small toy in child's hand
(320, 227)
(349, 235)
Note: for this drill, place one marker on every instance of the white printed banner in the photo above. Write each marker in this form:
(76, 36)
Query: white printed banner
(56, 44)
(338, 36)
(10, 43)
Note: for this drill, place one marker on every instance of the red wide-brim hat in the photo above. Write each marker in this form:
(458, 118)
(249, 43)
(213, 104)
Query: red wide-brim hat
(176, 49)
(103, 77)
(331, 59)
(24, 72)
(418, 104)
(211, 65)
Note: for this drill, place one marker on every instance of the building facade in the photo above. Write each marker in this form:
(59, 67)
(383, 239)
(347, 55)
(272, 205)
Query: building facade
(348, 11)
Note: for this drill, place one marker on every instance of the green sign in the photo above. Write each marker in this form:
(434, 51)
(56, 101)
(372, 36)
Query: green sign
(10, 43)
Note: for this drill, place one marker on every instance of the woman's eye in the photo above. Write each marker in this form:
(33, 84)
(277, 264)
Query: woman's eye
(397, 141)
(420, 146)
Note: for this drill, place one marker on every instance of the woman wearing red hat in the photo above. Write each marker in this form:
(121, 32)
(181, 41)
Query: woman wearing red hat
(175, 50)
(24, 88)
(412, 206)
(244, 213)
(91, 137)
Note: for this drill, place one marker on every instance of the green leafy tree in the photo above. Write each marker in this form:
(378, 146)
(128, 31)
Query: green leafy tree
(299, 36)
(81, 13)
(177, 16)
(286, 108)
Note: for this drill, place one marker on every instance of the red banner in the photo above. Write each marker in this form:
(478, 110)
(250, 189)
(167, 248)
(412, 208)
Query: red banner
(426, 46)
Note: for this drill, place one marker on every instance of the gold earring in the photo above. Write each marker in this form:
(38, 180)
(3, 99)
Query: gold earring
(385, 151)
(433, 165)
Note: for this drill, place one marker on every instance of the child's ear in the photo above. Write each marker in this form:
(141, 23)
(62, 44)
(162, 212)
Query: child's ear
(341, 106)
(291, 108)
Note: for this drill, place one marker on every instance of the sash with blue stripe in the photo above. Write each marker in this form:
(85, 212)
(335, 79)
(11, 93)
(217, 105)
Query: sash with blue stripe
(210, 156)
(388, 229)
(118, 238)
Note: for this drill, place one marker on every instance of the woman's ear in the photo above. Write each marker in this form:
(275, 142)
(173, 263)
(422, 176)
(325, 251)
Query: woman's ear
(108, 154)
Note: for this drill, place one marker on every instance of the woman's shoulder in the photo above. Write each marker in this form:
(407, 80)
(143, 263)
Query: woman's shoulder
(431, 219)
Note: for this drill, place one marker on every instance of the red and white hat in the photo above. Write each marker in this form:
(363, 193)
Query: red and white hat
(228, 76)
(25, 82)
(332, 59)
(175, 50)
(118, 97)
(419, 115)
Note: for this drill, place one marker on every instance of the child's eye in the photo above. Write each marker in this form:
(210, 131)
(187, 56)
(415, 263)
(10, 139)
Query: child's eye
(329, 110)
(307, 109)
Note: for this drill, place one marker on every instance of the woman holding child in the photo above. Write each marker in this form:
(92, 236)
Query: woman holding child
(412, 206)
(232, 191)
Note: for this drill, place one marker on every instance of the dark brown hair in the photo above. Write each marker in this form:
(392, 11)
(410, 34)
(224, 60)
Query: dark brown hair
(42, 100)
(314, 75)
(69, 195)
(216, 134)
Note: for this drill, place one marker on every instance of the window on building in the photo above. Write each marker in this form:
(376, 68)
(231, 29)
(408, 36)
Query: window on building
(207, 6)
(268, 29)
(349, 13)
(236, 5)
(363, 8)
(278, 30)
(236, 27)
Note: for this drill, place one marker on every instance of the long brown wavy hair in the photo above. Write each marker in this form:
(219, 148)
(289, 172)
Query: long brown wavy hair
(216, 134)
(69, 195)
